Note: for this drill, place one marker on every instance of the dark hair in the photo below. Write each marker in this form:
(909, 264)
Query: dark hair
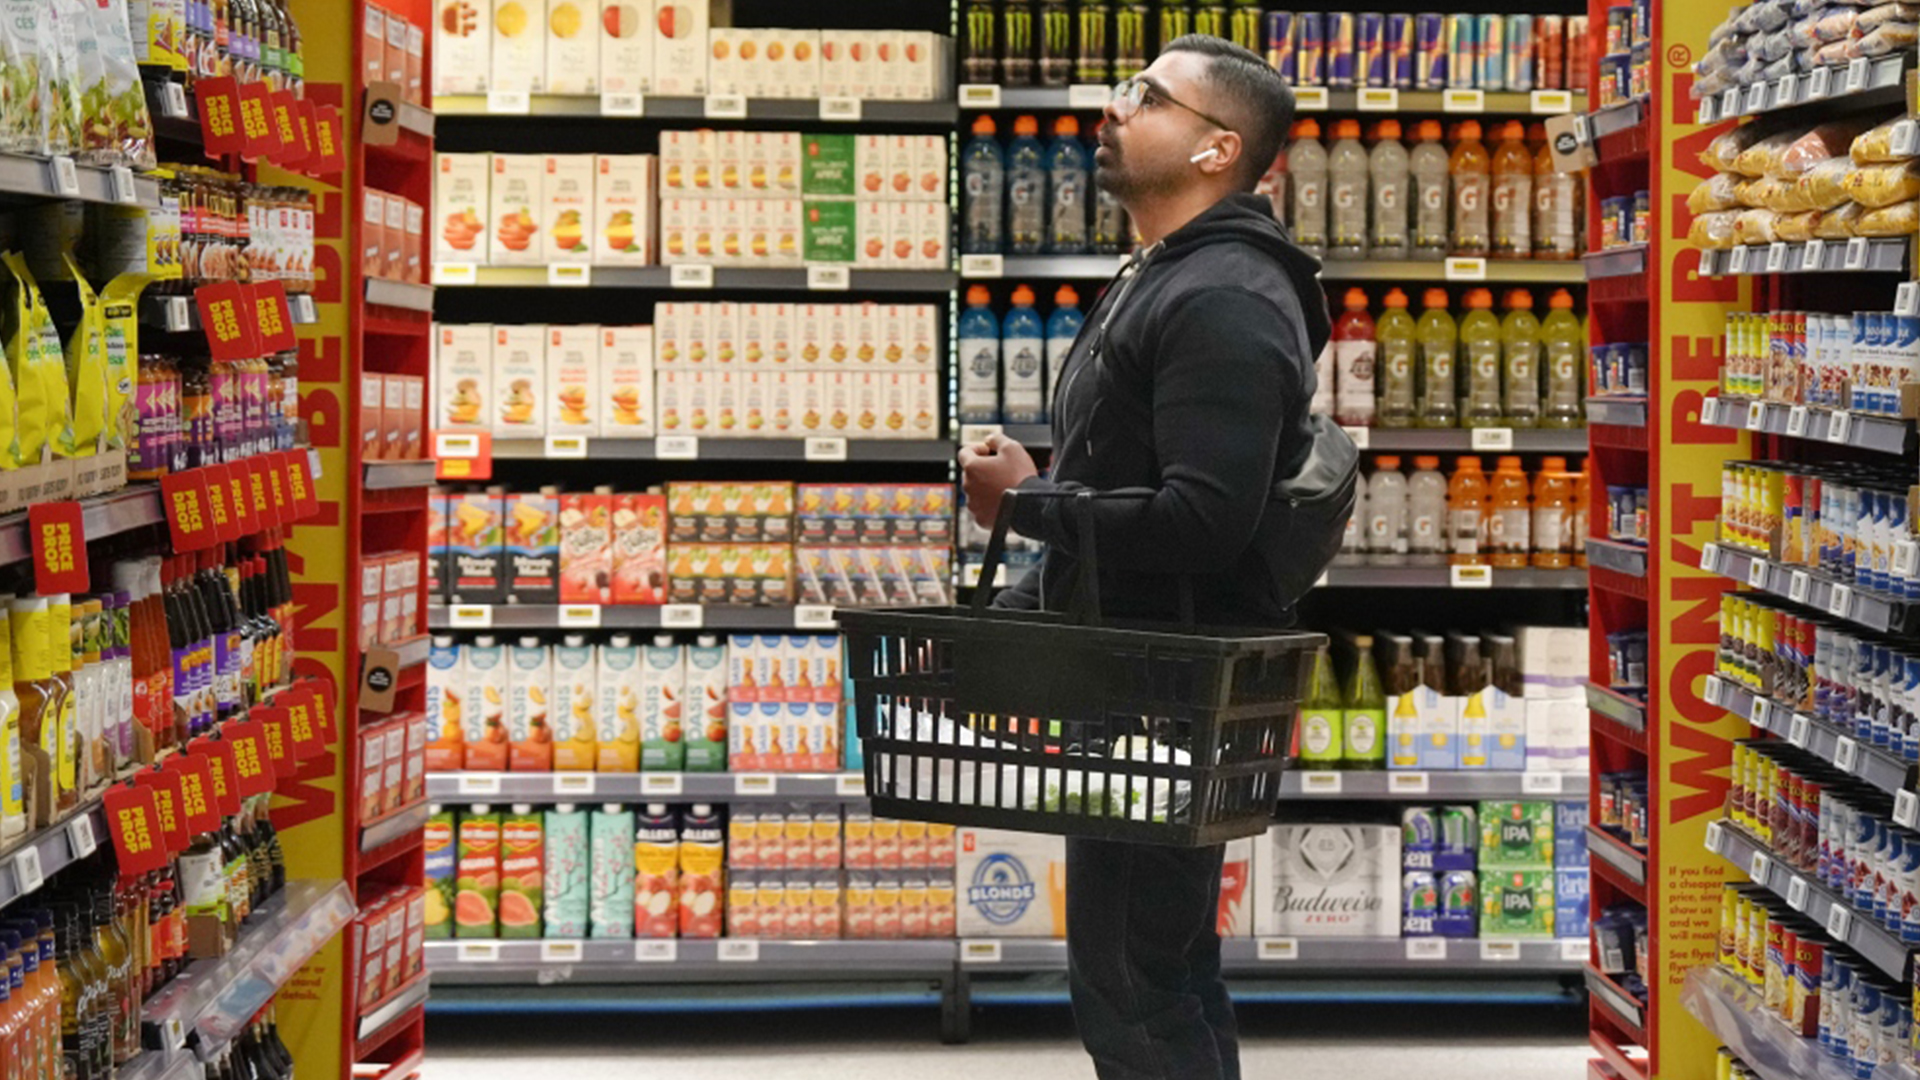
(1251, 94)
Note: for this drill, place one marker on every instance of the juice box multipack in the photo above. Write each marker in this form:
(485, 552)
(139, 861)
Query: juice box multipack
(639, 562)
(586, 548)
(575, 735)
(611, 907)
(662, 709)
(656, 860)
(478, 895)
(522, 850)
(442, 860)
(530, 698)
(532, 522)
(567, 885)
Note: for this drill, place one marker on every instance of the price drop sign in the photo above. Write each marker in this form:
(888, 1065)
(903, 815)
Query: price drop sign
(133, 823)
(219, 114)
(59, 547)
(197, 802)
(183, 497)
(227, 320)
(252, 764)
(272, 316)
(168, 808)
(256, 122)
(218, 754)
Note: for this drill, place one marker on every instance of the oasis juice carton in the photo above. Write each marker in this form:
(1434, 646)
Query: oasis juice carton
(656, 885)
(530, 715)
(484, 724)
(611, 905)
(662, 707)
(703, 852)
(617, 693)
(705, 702)
(442, 858)
(522, 851)
(447, 700)
(575, 735)
(567, 887)
(478, 894)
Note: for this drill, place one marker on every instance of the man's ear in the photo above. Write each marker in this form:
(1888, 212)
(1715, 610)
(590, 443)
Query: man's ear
(1228, 159)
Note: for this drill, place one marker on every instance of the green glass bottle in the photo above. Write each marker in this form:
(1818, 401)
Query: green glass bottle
(1364, 742)
(1321, 715)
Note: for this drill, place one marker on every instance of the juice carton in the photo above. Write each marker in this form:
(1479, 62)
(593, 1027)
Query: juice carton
(447, 699)
(639, 562)
(913, 844)
(676, 228)
(567, 200)
(373, 234)
(573, 48)
(573, 375)
(829, 231)
(825, 838)
(656, 861)
(1516, 834)
(586, 548)
(522, 872)
(519, 380)
(743, 738)
(662, 706)
(533, 547)
(858, 840)
(770, 904)
(679, 34)
(626, 382)
(462, 39)
(611, 907)
(478, 890)
(437, 543)
(743, 906)
(396, 420)
(529, 715)
(941, 901)
(372, 415)
(702, 873)
(623, 221)
(770, 838)
(1516, 903)
(567, 886)
(859, 914)
(823, 735)
(796, 837)
(419, 734)
(626, 47)
(514, 200)
(823, 917)
(416, 956)
(485, 725)
(617, 690)
(441, 859)
(743, 841)
(463, 363)
(797, 907)
(575, 735)
(519, 45)
(1506, 730)
(478, 544)
(370, 953)
(372, 573)
(705, 700)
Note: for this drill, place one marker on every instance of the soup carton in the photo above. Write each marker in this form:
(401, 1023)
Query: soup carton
(464, 376)
(586, 548)
(519, 59)
(516, 200)
(610, 907)
(462, 208)
(530, 703)
(573, 376)
(626, 46)
(533, 547)
(573, 47)
(618, 692)
(679, 33)
(485, 727)
(702, 873)
(623, 222)
(575, 733)
(639, 549)
(477, 894)
(662, 706)
(462, 42)
(477, 542)
(656, 887)
(442, 862)
(567, 888)
(522, 872)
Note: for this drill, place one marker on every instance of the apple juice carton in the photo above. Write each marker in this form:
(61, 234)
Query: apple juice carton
(639, 549)
(617, 693)
(586, 548)
(533, 546)
(522, 849)
(656, 884)
(478, 891)
(705, 700)
(514, 202)
(462, 212)
(567, 885)
(703, 852)
(662, 709)
(575, 735)
(529, 712)
(485, 724)
(626, 47)
(447, 699)
(611, 906)
(442, 858)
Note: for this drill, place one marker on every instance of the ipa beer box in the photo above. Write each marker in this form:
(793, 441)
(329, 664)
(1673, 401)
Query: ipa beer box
(1327, 881)
(1011, 884)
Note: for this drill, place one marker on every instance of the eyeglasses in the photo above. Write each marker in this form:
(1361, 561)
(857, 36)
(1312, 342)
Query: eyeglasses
(1132, 95)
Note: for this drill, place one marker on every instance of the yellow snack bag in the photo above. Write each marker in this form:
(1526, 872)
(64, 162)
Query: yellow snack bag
(86, 371)
(120, 334)
(26, 348)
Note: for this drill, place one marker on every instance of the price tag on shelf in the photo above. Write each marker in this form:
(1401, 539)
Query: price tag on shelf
(1757, 716)
(1839, 921)
(845, 110)
(1776, 256)
(1756, 416)
(979, 952)
(509, 102)
(64, 176)
(173, 101)
(27, 877)
(1710, 410)
(1846, 753)
(623, 104)
(479, 783)
(656, 952)
(580, 616)
(1906, 558)
(1856, 253)
(1428, 948)
(1859, 69)
(1707, 113)
(1730, 104)
(1542, 783)
(179, 314)
(756, 784)
(479, 952)
(304, 313)
(726, 107)
(1710, 557)
(1495, 952)
(666, 784)
(982, 266)
(851, 785)
(1797, 892)
(1905, 139)
(1800, 729)
(1463, 101)
(1378, 99)
(1714, 837)
(1277, 950)
(1797, 421)
(1089, 96)
(80, 838)
(1759, 867)
(1359, 435)
(1840, 602)
(1575, 950)
(561, 952)
(1906, 295)
(1786, 91)
(565, 446)
(1813, 255)
(676, 447)
(569, 274)
(1714, 692)
(826, 448)
(1470, 577)
(1320, 783)
(829, 277)
(455, 273)
(682, 616)
(470, 616)
(1492, 438)
(1737, 259)
(1906, 809)
(573, 783)
(1756, 97)
(120, 185)
(1547, 102)
(1310, 99)
(979, 95)
(1839, 424)
(1820, 83)
(1757, 572)
(175, 1032)
(814, 617)
(1407, 783)
(690, 276)
(1465, 269)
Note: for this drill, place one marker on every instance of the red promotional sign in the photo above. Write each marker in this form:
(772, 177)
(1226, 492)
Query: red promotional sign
(323, 708)
(266, 515)
(134, 823)
(330, 147)
(59, 547)
(283, 509)
(252, 763)
(169, 806)
(218, 754)
(256, 125)
(220, 503)
(286, 129)
(240, 499)
(273, 317)
(300, 489)
(183, 497)
(305, 120)
(273, 723)
(304, 729)
(225, 317)
(197, 801)
(219, 114)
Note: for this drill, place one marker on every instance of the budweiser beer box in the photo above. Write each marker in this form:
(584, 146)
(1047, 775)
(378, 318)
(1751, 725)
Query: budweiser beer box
(1327, 881)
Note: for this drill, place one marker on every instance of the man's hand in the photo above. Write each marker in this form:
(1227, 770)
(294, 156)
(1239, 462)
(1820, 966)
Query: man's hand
(987, 470)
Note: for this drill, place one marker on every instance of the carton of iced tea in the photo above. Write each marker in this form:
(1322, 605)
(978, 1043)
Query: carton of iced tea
(639, 560)
(656, 887)
(612, 902)
(568, 857)
(705, 701)
(485, 724)
(662, 706)
(586, 548)
(442, 860)
(575, 734)
(530, 703)
(522, 872)
(617, 692)
(478, 895)
(447, 701)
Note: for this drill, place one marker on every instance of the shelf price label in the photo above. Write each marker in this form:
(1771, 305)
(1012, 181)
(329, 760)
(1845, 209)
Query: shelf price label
(1800, 729)
(1710, 555)
(1495, 438)
(829, 277)
(1546, 102)
(980, 95)
(564, 275)
(509, 102)
(1797, 893)
(1756, 97)
(1470, 577)
(1737, 258)
(1714, 691)
(27, 876)
(669, 784)
(825, 448)
(726, 107)
(1856, 253)
(1797, 585)
(1757, 572)
(564, 446)
(1906, 296)
(1710, 410)
(80, 838)
(1813, 255)
(1423, 949)
(1839, 921)
(814, 617)
(120, 186)
(623, 105)
(1906, 808)
(1757, 716)
(1839, 423)
(842, 109)
(1542, 783)
(982, 266)
(1359, 435)
(479, 783)
(580, 616)
(573, 783)
(1715, 837)
(1463, 101)
(1846, 754)
(850, 786)
(1776, 256)
(1277, 950)
(1495, 952)
(677, 448)
(1785, 89)
(979, 952)
(1310, 99)
(739, 951)
(656, 952)
(1859, 70)
(756, 784)
(1756, 416)
(1320, 783)
(470, 616)
(1406, 783)
(1378, 99)
(690, 276)
(1465, 269)
(1840, 601)
(682, 616)
(479, 952)
(455, 273)
(1820, 83)
(1759, 868)
(561, 952)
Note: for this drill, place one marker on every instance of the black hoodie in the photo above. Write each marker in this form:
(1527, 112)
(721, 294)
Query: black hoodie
(1200, 398)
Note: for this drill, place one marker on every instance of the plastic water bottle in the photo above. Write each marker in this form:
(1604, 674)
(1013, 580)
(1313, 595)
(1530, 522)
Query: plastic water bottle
(979, 360)
(1347, 171)
(1026, 189)
(1023, 355)
(1387, 164)
(1063, 326)
(1387, 513)
(1307, 166)
(1067, 169)
(1426, 510)
(1427, 163)
(983, 174)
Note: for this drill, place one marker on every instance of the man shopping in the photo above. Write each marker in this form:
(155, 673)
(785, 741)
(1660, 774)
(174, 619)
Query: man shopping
(1189, 384)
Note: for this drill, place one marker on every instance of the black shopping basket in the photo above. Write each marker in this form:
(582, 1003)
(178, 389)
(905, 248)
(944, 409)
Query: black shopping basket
(1070, 724)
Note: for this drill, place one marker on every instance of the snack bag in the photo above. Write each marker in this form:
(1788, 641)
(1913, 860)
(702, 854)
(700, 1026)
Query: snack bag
(1897, 220)
(40, 400)
(1875, 145)
(1824, 186)
(1883, 185)
(116, 129)
(1838, 223)
(86, 370)
(1716, 192)
(24, 69)
(120, 335)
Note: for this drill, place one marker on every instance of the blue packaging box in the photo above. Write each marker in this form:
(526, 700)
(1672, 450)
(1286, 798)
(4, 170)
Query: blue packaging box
(1570, 903)
(1570, 834)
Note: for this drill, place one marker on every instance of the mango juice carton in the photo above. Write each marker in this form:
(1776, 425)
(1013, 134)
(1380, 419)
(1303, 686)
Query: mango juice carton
(533, 547)
(566, 190)
(586, 548)
(656, 885)
(617, 691)
(442, 859)
(478, 543)
(1516, 834)
(485, 725)
(662, 706)
(703, 877)
(514, 203)
(478, 887)
(626, 47)
(573, 377)
(611, 904)
(519, 45)
(705, 700)
(575, 735)
(463, 362)
(639, 549)
(626, 382)
(573, 47)
(530, 703)
(679, 33)
(519, 381)
(522, 872)
(566, 887)
(1516, 903)
(462, 43)
(623, 221)
(447, 700)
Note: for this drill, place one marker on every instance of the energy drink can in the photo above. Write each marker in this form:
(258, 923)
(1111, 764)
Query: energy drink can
(1312, 52)
(1550, 52)
(1281, 42)
(1399, 34)
(1340, 45)
(1519, 54)
(1490, 51)
(1576, 51)
(1463, 54)
(1429, 51)
(1370, 62)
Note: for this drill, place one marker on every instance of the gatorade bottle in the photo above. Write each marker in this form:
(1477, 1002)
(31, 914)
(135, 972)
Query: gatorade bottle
(1026, 189)
(1427, 165)
(1023, 352)
(1322, 738)
(1353, 540)
(1556, 207)
(1512, 194)
(1364, 721)
(1322, 402)
(1387, 513)
(1353, 354)
(1307, 165)
(1062, 327)
(1520, 342)
(1067, 171)
(983, 175)
(1347, 171)
(1387, 165)
(1480, 341)
(1564, 342)
(1468, 168)
(1438, 341)
(1467, 514)
(1577, 533)
(979, 360)
(1510, 526)
(1393, 363)
(1552, 504)
(1426, 510)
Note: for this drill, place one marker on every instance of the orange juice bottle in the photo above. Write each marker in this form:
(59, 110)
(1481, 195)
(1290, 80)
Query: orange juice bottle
(1579, 530)
(1467, 513)
(1552, 501)
(1471, 171)
(1510, 526)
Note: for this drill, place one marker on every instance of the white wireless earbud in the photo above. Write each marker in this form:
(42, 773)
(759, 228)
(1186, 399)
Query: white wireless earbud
(1211, 151)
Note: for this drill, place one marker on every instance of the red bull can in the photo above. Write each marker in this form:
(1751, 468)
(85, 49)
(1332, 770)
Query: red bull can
(1312, 53)
(1281, 42)
(1490, 52)
(1399, 35)
(1370, 66)
(1519, 52)
(1463, 54)
(1429, 51)
(1340, 44)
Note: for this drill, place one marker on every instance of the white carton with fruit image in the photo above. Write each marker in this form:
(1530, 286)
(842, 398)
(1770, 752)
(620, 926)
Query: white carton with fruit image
(573, 48)
(462, 35)
(567, 193)
(663, 680)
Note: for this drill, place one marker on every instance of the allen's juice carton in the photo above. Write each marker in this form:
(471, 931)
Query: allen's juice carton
(519, 45)
(586, 548)
(1516, 903)
(575, 734)
(623, 221)
(639, 549)
(568, 858)
(573, 47)
(462, 41)
(743, 904)
(567, 197)
(626, 46)
(1516, 834)
(478, 894)
(515, 201)
(442, 858)
(447, 700)
(705, 700)
(522, 872)
(463, 361)
(703, 876)
(533, 546)
(656, 886)
(611, 906)
(679, 33)
(573, 375)
(530, 704)
(519, 380)
(485, 726)
(662, 706)
(617, 690)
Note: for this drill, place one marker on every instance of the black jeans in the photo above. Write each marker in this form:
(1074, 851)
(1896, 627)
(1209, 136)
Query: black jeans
(1144, 961)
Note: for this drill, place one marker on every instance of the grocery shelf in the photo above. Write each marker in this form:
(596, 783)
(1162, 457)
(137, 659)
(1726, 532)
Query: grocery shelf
(643, 960)
(1307, 99)
(1627, 261)
(1273, 956)
(1740, 1020)
(632, 107)
(1617, 556)
(1617, 411)
(1441, 577)
(1865, 431)
(397, 475)
(819, 448)
(375, 1026)
(1882, 254)
(1862, 84)
(701, 277)
(1611, 858)
(1840, 749)
(721, 617)
(54, 848)
(646, 787)
(1475, 784)
(179, 314)
(1615, 119)
(1618, 717)
(1464, 270)
(416, 119)
(1471, 440)
(1813, 588)
(24, 178)
(403, 822)
(1627, 1012)
(1853, 928)
(399, 294)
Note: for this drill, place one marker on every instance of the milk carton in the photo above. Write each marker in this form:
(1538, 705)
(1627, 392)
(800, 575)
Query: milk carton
(462, 210)
(533, 547)
(463, 376)
(617, 690)
(705, 700)
(662, 706)
(623, 222)
(529, 708)
(1010, 884)
(575, 732)
(1327, 881)
(679, 33)
(626, 382)
(519, 46)
(462, 39)
(626, 46)
(519, 380)
(573, 376)
(485, 726)
(515, 196)
(573, 47)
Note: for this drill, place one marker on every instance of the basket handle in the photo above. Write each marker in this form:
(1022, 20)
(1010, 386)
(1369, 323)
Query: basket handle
(1083, 603)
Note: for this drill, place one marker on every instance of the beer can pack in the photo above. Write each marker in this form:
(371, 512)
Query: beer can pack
(1429, 51)
(1459, 903)
(1490, 52)
(1463, 51)
(1281, 43)
(1341, 32)
(1370, 61)
(1312, 53)
(1419, 903)
(1399, 34)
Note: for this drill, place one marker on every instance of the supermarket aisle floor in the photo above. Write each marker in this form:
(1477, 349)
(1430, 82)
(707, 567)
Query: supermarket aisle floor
(1372, 1042)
